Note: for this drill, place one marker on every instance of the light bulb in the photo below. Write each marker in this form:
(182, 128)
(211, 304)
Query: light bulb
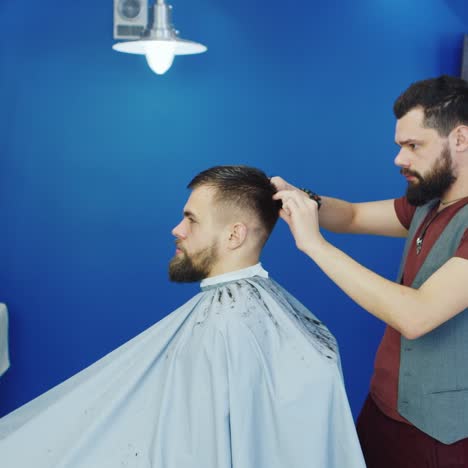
(160, 55)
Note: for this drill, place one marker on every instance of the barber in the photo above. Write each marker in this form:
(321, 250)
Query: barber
(416, 414)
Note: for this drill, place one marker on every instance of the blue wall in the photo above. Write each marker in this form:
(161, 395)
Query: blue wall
(96, 151)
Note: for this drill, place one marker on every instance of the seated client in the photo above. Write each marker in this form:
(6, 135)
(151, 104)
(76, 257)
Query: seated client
(240, 376)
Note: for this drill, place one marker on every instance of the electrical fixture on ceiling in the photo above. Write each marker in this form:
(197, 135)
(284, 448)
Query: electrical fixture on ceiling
(151, 33)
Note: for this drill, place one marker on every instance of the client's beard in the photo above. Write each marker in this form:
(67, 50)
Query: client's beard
(188, 269)
(435, 184)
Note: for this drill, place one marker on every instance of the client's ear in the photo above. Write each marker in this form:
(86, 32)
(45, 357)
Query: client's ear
(237, 235)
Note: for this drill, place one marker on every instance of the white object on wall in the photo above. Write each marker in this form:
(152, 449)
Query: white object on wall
(4, 355)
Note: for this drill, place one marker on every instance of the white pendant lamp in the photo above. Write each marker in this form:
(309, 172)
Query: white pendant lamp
(160, 41)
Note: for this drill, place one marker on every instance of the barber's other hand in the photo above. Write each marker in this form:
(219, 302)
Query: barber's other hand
(301, 215)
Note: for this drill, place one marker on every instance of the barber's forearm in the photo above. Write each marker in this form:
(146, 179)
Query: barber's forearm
(336, 215)
(384, 299)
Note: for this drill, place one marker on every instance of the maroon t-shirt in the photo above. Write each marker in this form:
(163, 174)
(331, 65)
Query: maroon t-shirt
(384, 382)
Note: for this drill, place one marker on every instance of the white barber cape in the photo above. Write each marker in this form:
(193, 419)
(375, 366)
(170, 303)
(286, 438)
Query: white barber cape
(241, 376)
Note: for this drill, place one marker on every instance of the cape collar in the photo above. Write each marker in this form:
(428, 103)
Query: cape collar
(254, 270)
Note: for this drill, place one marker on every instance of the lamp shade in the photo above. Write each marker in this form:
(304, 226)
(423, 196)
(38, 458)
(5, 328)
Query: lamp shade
(181, 46)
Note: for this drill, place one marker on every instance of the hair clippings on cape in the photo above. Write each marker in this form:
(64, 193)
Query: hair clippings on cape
(313, 196)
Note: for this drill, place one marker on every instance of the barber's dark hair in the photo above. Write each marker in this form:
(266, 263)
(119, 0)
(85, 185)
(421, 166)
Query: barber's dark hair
(246, 187)
(444, 101)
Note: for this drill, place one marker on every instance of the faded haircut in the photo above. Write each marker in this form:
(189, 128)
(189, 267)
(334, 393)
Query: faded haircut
(444, 101)
(245, 188)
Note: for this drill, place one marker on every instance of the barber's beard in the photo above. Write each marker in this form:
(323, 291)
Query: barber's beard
(188, 269)
(434, 184)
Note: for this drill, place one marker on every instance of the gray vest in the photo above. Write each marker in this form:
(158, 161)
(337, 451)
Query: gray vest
(433, 380)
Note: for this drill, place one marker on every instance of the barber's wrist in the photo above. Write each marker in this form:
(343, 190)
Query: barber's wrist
(313, 246)
(313, 196)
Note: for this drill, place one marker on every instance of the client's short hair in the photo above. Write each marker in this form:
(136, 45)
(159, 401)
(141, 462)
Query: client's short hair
(244, 187)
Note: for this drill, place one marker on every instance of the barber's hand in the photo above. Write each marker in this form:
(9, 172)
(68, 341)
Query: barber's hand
(301, 214)
(281, 184)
